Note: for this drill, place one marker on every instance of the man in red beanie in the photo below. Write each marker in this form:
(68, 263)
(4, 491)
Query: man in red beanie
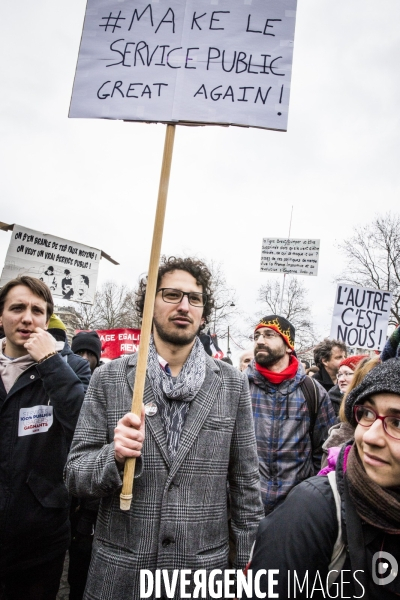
(292, 414)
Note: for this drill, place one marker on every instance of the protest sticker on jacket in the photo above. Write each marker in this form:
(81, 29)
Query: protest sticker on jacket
(35, 419)
(361, 316)
(197, 61)
(118, 342)
(68, 268)
(290, 256)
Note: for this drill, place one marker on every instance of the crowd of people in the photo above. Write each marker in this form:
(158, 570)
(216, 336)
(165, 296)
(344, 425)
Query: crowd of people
(275, 467)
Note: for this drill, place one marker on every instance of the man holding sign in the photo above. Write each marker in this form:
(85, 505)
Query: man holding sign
(199, 436)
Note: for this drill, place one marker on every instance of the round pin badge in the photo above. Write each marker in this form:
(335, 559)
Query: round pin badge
(150, 409)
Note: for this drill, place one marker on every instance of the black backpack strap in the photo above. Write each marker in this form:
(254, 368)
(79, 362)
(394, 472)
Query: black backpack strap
(354, 536)
(311, 395)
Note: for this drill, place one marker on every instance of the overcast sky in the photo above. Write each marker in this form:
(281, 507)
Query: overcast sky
(96, 181)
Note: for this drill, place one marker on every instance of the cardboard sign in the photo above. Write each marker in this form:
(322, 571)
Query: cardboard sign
(68, 268)
(290, 256)
(361, 316)
(171, 61)
(118, 342)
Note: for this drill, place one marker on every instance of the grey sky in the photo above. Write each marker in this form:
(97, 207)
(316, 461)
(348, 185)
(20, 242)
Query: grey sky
(96, 181)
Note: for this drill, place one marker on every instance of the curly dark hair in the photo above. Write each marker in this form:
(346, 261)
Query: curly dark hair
(324, 350)
(197, 268)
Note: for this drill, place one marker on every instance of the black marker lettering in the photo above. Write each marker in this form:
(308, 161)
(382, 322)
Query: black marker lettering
(170, 52)
(217, 12)
(126, 51)
(194, 20)
(264, 67)
(119, 52)
(212, 57)
(132, 89)
(244, 93)
(223, 62)
(164, 20)
(138, 51)
(135, 13)
(146, 91)
(117, 86)
(240, 59)
(229, 93)
(272, 70)
(199, 91)
(343, 315)
(159, 87)
(248, 25)
(259, 94)
(249, 66)
(162, 64)
(269, 26)
(103, 96)
(188, 58)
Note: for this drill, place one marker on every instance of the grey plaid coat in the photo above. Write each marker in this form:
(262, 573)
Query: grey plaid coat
(178, 518)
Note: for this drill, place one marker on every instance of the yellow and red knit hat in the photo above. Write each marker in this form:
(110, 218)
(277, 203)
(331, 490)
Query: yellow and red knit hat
(281, 326)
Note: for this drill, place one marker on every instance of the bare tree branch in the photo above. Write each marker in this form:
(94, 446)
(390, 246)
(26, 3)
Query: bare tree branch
(113, 308)
(373, 258)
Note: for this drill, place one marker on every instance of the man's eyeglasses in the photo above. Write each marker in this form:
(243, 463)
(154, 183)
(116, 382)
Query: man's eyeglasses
(267, 335)
(366, 416)
(175, 297)
(346, 375)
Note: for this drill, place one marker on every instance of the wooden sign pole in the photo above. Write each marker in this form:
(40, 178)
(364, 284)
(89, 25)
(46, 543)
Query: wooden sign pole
(138, 390)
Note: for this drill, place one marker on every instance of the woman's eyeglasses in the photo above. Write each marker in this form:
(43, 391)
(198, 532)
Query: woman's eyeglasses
(366, 416)
(345, 374)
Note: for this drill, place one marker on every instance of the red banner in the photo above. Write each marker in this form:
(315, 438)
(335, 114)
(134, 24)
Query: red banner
(118, 342)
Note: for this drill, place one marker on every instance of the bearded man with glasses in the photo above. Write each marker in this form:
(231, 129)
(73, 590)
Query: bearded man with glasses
(196, 435)
(292, 413)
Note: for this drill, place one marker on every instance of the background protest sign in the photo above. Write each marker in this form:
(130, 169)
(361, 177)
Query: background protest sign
(68, 268)
(361, 316)
(198, 61)
(117, 342)
(290, 256)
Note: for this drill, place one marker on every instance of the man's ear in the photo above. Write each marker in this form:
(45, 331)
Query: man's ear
(288, 350)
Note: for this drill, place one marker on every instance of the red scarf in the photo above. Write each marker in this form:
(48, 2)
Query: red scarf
(277, 378)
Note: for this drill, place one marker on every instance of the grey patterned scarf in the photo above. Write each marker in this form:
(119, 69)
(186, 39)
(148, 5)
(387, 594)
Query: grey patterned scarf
(174, 394)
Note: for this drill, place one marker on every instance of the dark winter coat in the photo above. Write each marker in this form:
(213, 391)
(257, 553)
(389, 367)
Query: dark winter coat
(323, 377)
(34, 503)
(298, 537)
(336, 397)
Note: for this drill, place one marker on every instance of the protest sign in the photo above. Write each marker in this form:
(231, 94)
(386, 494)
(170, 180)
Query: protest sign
(290, 256)
(361, 316)
(218, 62)
(117, 342)
(68, 268)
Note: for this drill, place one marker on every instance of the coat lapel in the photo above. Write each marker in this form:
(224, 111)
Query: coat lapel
(154, 422)
(198, 412)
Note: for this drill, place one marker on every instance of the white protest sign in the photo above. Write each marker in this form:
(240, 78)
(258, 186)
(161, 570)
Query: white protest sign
(69, 269)
(290, 256)
(361, 316)
(199, 61)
